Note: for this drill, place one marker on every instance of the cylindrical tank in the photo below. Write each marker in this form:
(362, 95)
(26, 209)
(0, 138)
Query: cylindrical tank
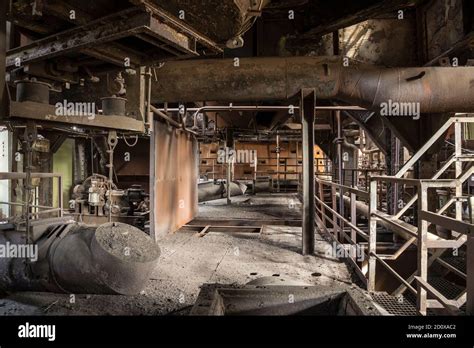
(33, 91)
(114, 258)
(115, 106)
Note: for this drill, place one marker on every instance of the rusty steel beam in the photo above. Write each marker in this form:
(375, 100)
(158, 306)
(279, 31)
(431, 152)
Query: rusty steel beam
(308, 114)
(103, 30)
(159, 30)
(436, 89)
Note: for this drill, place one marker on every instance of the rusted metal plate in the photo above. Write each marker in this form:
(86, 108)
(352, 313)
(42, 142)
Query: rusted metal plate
(175, 179)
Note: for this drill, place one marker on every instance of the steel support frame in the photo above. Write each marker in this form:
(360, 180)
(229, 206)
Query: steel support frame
(144, 22)
(470, 275)
(372, 235)
(308, 115)
(94, 33)
(3, 50)
(422, 295)
(420, 236)
(340, 171)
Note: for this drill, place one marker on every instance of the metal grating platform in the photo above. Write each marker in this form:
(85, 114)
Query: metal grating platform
(399, 306)
(458, 262)
(448, 289)
(406, 305)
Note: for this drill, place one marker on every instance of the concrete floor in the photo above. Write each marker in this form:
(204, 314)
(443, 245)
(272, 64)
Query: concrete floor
(187, 261)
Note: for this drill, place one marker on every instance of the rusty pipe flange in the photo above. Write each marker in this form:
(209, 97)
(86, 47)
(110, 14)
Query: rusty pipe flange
(34, 91)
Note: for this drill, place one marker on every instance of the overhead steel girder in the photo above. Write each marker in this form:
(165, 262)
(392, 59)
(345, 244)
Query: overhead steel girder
(166, 36)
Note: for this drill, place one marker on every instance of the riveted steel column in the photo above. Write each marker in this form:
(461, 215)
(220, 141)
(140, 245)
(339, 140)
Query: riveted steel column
(307, 112)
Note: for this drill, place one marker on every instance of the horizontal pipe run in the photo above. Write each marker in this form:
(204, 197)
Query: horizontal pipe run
(357, 229)
(429, 89)
(165, 117)
(260, 108)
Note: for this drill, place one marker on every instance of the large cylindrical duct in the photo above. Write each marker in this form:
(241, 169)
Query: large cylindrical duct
(114, 258)
(434, 89)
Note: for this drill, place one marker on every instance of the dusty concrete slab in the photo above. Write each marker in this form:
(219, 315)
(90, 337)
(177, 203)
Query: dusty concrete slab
(188, 261)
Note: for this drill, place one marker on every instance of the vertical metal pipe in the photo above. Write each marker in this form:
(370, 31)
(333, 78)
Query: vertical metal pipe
(308, 102)
(353, 216)
(298, 164)
(322, 207)
(152, 181)
(149, 114)
(213, 170)
(3, 50)
(336, 228)
(228, 180)
(278, 161)
(255, 166)
(396, 165)
(60, 198)
(340, 168)
(458, 166)
(27, 187)
(111, 179)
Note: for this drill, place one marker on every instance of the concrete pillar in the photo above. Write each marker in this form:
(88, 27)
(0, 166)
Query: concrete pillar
(308, 102)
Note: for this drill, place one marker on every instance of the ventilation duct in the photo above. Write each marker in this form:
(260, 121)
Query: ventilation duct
(434, 89)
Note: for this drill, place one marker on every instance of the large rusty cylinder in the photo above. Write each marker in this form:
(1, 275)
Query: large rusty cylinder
(210, 191)
(246, 79)
(434, 89)
(114, 258)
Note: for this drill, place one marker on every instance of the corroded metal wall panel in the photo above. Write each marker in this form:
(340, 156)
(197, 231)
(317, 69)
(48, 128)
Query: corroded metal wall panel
(444, 26)
(175, 179)
(384, 42)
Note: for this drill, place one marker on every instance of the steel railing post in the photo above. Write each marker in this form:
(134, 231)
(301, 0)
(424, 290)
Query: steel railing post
(372, 235)
(422, 248)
